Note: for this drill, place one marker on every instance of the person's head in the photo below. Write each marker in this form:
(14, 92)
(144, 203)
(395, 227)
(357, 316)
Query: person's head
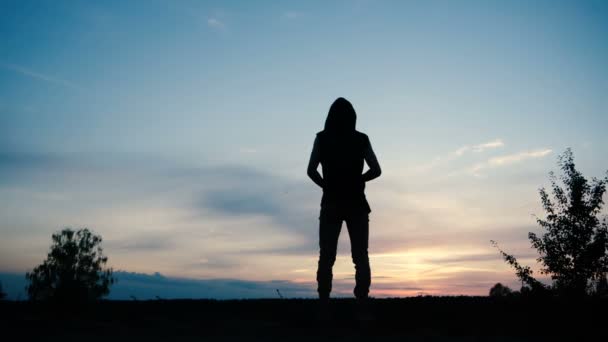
(341, 117)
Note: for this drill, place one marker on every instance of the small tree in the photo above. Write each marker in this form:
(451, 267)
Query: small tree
(573, 249)
(499, 290)
(73, 271)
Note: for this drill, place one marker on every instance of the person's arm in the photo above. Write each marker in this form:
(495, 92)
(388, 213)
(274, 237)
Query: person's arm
(313, 164)
(372, 162)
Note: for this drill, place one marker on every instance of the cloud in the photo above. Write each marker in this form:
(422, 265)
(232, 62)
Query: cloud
(152, 286)
(149, 286)
(39, 76)
(215, 23)
(510, 159)
(515, 158)
(458, 153)
(18, 167)
(143, 206)
(467, 259)
(243, 190)
(225, 221)
(479, 147)
(17, 160)
(240, 190)
(142, 242)
(13, 284)
(489, 145)
(241, 202)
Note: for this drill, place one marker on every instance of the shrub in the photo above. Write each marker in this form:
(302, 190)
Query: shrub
(73, 270)
(573, 248)
(499, 290)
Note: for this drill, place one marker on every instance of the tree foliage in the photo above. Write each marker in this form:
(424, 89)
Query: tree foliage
(573, 248)
(499, 290)
(74, 270)
(524, 273)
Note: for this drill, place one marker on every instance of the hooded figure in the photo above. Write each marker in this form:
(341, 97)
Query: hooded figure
(342, 150)
(341, 117)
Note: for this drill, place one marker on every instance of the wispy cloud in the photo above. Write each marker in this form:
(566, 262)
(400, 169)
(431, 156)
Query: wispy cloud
(39, 76)
(509, 159)
(518, 157)
(215, 23)
(480, 147)
(461, 151)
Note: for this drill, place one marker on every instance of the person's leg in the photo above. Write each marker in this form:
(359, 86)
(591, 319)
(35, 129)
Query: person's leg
(329, 231)
(358, 231)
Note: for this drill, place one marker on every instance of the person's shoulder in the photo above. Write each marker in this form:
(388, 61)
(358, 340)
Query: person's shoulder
(320, 138)
(363, 139)
(362, 136)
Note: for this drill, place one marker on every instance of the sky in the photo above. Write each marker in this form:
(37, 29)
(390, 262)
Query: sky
(180, 132)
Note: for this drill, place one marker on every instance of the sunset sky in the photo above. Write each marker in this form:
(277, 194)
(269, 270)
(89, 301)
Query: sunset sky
(180, 131)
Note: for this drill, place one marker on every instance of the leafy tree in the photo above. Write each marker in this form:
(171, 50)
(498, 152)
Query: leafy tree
(529, 284)
(73, 271)
(499, 290)
(573, 248)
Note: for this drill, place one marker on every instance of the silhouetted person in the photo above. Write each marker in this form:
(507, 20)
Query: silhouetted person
(341, 151)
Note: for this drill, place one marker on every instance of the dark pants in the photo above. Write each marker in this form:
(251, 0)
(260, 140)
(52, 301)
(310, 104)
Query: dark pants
(329, 231)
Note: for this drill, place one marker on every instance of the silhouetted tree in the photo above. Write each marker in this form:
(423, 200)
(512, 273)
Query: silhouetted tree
(573, 248)
(499, 290)
(2, 293)
(73, 271)
(529, 284)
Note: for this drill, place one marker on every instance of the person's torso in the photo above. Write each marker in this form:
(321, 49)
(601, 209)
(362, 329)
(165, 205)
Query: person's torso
(342, 161)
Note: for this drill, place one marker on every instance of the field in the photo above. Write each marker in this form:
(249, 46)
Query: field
(412, 319)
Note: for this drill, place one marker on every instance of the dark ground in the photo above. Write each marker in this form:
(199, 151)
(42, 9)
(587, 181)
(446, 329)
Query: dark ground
(409, 319)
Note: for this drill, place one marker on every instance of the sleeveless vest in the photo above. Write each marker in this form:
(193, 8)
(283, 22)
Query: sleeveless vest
(342, 164)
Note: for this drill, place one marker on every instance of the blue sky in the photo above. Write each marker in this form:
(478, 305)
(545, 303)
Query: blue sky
(180, 130)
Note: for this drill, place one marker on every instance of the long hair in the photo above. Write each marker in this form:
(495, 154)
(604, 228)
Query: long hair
(341, 117)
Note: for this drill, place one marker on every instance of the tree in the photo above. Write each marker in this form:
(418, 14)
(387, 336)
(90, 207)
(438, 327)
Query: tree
(499, 290)
(73, 270)
(573, 248)
(529, 284)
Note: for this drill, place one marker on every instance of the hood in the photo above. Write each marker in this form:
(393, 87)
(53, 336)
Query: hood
(341, 117)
